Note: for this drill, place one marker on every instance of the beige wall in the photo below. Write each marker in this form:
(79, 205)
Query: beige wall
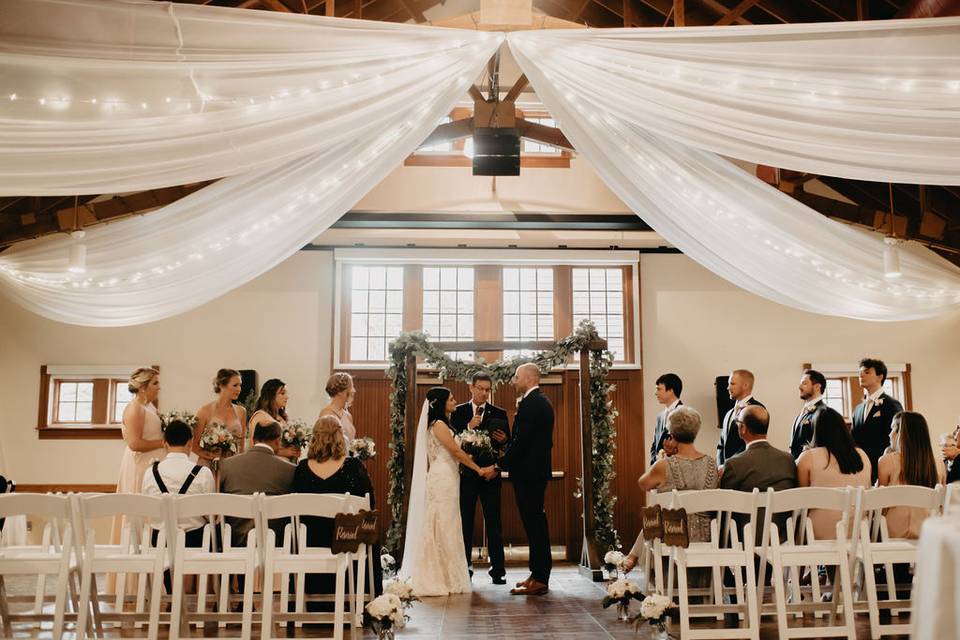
(700, 326)
(279, 324)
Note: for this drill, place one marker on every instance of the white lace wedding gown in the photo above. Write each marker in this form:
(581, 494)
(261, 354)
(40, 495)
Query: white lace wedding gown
(441, 566)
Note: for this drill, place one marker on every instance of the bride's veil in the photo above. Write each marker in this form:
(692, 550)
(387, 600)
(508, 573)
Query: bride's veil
(416, 507)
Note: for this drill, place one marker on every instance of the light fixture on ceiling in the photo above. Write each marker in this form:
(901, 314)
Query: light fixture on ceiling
(891, 251)
(78, 251)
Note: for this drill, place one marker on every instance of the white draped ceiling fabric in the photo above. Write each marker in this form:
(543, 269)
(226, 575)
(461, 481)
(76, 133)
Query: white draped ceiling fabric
(755, 236)
(315, 111)
(302, 115)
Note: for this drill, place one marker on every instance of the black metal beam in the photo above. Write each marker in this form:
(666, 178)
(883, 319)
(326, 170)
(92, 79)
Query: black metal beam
(514, 221)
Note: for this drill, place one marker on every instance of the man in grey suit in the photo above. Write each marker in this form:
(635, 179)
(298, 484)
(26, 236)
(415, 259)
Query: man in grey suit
(259, 470)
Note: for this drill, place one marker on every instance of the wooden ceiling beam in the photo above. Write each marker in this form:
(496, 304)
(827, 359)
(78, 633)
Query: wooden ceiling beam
(679, 13)
(517, 88)
(414, 12)
(736, 12)
(276, 5)
(542, 133)
(450, 131)
(719, 10)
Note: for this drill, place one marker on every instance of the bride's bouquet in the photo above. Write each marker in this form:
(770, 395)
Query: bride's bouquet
(363, 449)
(217, 437)
(178, 414)
(384, 614)
(296, 434)
(476, 443)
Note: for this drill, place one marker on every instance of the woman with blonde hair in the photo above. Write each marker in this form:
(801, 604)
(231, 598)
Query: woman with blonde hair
(141, 429)
(328, 469)
(226, 384)
(341, 391)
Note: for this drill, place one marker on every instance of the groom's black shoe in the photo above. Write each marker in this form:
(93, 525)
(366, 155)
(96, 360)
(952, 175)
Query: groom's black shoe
(470, 571)
(499, 580)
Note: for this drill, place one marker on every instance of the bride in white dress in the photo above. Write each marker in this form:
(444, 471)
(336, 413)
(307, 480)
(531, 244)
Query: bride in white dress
(433, 556)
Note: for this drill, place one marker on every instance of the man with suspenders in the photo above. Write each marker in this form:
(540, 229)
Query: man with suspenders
(176, 473)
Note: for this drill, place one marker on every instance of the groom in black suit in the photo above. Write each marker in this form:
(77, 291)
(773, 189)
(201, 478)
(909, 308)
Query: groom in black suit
(528, 460)
(480, 415)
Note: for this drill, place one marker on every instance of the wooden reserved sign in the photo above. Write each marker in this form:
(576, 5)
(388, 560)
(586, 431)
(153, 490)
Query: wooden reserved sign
(350, 530)
(676, 531)
(652, 522)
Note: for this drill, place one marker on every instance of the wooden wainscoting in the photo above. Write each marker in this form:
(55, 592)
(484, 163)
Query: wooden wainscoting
(372, 418)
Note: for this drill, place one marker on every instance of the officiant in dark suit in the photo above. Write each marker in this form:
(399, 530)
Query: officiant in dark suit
(528, 459)
(872, 417)
(480, 415)
(740, 388)
(812, 385)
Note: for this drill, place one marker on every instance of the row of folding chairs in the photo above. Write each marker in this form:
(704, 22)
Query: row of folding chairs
(785, 548)
(69, 553)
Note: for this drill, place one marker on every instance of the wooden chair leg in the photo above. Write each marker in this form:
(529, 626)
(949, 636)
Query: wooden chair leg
(5, 610)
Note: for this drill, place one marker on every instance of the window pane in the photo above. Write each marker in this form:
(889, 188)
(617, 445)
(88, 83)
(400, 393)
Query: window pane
(395, 278)
(377, 310)
(431, 278)
(358, 324)
(448, 279)
(358, 348)
(66, 412)
(68, 391)
(448, 303)
(511, 327)
(376, 349)
(378, 277)
(465, 302)
(378, 301)
(598, 297)
(431, 324)
(431, 301)
(511, 279)
(377, 325)
(84, 411)
(394, 325)
(394, 301)
(359, 301)
(85, 391)
(361, 278)
(465, 279)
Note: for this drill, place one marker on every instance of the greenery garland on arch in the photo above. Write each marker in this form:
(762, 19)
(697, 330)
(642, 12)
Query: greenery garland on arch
(602, 414)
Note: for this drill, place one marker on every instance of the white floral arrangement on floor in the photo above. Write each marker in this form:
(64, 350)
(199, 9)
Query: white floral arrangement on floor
(403, 590)
(295, 434)
(475, 442)
(363, 449)
(384, 615)
(178, 414)
(217, 437)
(613, 563)
(621, 592)
(654, 611)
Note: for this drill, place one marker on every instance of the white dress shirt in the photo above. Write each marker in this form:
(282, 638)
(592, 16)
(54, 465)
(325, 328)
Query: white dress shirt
(174, 470)
(872, 402)
(811, 404)
(530, 390)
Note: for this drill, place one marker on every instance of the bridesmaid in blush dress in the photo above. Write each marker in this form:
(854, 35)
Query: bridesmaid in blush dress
(341, 391)
(226, 384)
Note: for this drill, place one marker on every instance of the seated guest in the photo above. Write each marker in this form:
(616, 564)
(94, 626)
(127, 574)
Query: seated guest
(258, 470)
(834, 461)
(176, 473)
(685, 470)
(950, 453)
(910, 462)
(327, 469)
(761, 465)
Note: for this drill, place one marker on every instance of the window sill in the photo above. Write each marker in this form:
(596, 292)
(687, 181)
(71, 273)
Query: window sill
(80, 433)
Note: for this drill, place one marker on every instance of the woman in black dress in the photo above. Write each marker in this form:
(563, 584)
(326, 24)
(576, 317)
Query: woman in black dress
(328, 469)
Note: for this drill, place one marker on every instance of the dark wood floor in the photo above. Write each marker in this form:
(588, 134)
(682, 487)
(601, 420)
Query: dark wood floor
(571, 610)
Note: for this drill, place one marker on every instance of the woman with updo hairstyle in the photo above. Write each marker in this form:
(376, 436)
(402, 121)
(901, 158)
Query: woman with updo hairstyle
(272, 407)
(143, 434)
(341, 391)
(141, 429)
(328, 469)
(226, 384)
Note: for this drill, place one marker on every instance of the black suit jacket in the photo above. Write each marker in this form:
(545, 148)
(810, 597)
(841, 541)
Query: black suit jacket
(730, 441)
(660, 434)
(802, 434)
(872, 433)
(528, 454)
(464, 414)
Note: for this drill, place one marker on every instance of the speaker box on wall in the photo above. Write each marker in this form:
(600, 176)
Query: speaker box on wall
(248, 385)
(724, 403)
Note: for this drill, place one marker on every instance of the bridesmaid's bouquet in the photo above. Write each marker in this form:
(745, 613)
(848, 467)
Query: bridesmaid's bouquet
(363, 449)
(384, 614)
(476, 443)
(613, 563)
(178, 414)
(296, 434)
(217, 437)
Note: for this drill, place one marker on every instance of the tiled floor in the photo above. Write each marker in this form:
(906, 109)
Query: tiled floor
(571, 610)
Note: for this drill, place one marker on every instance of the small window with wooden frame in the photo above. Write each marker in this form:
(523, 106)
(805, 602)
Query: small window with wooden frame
(82, 402)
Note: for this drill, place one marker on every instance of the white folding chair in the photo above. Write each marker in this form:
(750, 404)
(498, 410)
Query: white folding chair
(138, 556)
(357, 586)
(216, 557)
(296, 557)
(723, 550)
(655, 554)
(878, 548)
(804, 550)
(951, 500)
(54, 556)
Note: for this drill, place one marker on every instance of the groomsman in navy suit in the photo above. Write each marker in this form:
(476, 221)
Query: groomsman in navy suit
(740, 388)
(812, 385)
(669, 388)
(480, 415)
(873, 416)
